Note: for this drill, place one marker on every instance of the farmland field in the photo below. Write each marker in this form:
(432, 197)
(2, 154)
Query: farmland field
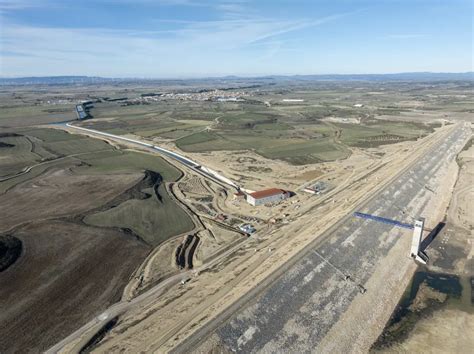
(67, 274)
(308, 131)
(16, 152)
(154, 219)
(72, 177)
(85, 221)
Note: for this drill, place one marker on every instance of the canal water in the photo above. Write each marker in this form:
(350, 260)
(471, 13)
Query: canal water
(428, 292)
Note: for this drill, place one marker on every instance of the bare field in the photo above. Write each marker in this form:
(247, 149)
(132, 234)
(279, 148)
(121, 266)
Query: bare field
(68, 273)
(60, 192)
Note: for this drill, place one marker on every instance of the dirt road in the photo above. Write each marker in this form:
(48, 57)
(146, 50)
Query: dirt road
(298, 305)
(242, 269)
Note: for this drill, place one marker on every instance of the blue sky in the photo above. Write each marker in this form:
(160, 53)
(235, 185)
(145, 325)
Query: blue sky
(196, 38)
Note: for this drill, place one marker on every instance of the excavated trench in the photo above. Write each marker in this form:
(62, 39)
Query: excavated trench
(185, 252)
(10, 251)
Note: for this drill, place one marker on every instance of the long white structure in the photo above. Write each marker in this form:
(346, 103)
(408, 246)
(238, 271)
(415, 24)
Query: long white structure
(184, 160)
(218, 176)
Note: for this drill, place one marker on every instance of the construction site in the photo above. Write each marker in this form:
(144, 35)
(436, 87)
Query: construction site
(235, 250)
(319, 280)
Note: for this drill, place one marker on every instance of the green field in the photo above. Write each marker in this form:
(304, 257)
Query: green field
(153, 219)
(35, 172)
(372, 134)
(36, 146)
(22, 115)
(118, 161)
(297, 132)
(16, 154)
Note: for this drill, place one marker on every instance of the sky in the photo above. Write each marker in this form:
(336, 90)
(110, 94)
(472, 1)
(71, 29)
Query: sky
(202, 38)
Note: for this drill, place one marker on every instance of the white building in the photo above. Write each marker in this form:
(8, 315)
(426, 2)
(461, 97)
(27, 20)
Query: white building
(271, 195)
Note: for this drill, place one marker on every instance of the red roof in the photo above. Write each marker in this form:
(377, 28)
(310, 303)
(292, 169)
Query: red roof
(267, 193)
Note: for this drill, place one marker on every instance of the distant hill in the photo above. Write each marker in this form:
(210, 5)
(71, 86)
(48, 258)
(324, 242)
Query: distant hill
(54, 80)
(415, 76)
(84, 80)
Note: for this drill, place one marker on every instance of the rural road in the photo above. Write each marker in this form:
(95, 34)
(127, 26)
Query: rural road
(296, 308)
(86, 332)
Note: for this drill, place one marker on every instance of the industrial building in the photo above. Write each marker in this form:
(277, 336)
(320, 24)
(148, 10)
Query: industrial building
(247, 228)
(81, 113)
(82, 110)
(271, 195)
(317, 188)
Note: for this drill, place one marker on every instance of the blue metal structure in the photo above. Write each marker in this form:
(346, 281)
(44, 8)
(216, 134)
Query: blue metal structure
(383, 220)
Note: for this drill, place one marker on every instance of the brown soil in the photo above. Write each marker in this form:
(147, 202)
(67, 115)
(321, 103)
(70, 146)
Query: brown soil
(446, 331)
(59, 192)
(67, 274)
(310, 175)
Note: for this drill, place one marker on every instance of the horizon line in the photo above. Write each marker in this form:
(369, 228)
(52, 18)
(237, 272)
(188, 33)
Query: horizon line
(250, 76)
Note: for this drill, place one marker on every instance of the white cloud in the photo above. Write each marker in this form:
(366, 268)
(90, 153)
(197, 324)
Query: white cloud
(405, 36)
(12, 5)
(194, 47)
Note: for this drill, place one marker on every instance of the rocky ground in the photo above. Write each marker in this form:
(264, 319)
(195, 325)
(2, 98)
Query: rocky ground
(440, 317)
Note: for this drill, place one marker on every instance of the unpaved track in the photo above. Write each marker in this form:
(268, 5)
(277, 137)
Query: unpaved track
(75, 341)
(159, 341)
(240, 333)
(241, 273)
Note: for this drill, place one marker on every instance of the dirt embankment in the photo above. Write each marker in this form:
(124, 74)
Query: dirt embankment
(439, 314)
